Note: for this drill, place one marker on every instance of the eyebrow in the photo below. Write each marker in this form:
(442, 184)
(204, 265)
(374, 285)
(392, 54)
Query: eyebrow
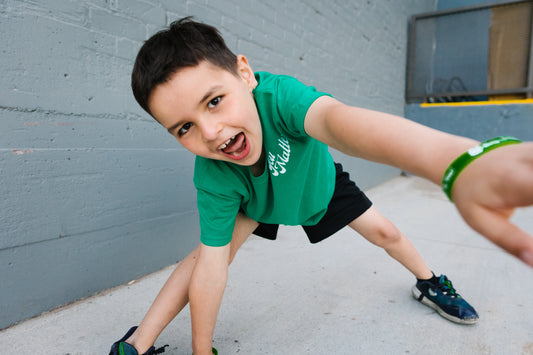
(207, 95)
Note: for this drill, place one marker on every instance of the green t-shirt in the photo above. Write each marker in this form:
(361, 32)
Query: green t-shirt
(299, 176)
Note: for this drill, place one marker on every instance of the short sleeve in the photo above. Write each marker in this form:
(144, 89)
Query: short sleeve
(216, 224)
(292, 100)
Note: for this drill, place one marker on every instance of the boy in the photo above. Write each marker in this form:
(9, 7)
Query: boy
(261, 142)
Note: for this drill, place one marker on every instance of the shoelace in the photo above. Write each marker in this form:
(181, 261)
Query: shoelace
(447, 287)
(159, 351)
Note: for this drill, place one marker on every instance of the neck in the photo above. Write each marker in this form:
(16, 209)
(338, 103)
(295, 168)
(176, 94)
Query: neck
(259, 167)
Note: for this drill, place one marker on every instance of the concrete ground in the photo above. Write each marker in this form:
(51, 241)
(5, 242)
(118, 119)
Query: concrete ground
(341, 296)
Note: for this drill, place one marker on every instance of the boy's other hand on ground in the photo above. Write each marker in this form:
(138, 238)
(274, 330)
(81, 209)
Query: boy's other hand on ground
(490, 188)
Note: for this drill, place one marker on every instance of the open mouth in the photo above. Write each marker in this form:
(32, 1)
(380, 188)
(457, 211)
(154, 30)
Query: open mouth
(236, 147)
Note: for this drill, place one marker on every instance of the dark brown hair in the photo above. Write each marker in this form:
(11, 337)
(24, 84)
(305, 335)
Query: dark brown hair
(185, 43)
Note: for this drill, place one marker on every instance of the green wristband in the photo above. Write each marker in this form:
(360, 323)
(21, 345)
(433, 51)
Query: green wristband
(472, 154)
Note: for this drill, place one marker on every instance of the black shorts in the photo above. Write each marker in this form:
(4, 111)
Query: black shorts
(348, 203)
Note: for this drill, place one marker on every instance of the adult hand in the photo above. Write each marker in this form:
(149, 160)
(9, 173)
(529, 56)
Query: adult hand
(490, 188)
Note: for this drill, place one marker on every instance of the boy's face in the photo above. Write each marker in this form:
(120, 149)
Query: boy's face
(212, 112)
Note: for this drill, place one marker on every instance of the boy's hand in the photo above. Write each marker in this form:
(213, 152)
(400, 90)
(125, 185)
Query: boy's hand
(488, 190)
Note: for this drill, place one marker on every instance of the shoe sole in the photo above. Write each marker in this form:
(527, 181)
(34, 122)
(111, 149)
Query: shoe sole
(416, 294)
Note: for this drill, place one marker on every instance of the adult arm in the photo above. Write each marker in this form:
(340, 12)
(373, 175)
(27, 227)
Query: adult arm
(485, 193)
(208, 282)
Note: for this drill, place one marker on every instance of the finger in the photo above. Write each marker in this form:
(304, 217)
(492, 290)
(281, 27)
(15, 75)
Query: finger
(495, 226)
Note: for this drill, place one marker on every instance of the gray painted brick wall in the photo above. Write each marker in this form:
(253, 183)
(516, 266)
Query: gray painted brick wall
(94, 193)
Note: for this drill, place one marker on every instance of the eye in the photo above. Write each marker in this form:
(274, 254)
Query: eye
(214, 102)
(184, 129)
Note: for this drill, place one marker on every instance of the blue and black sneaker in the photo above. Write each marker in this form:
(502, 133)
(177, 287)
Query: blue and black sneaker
(442, 297)
(122, 348)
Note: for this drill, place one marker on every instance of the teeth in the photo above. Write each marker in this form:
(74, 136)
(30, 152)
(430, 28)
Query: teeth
(225, 144)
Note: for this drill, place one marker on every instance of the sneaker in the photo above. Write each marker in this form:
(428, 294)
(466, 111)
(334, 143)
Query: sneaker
(445, 300)
(122, 348)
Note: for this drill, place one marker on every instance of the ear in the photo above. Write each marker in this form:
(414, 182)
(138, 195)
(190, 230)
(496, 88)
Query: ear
(245, 71)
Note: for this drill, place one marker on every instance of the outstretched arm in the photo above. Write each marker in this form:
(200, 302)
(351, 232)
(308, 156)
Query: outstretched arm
(485, 193)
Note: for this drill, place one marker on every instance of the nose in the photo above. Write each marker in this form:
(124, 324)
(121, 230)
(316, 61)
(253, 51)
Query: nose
(210, 129)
